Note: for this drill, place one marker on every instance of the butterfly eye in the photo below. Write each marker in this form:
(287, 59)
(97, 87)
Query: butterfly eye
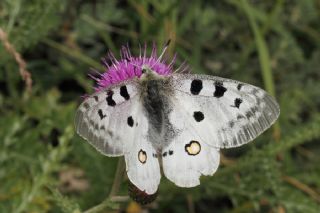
(144, 70)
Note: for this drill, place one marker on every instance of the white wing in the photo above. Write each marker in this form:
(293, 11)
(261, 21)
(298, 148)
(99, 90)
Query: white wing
(222, 112)
(187, 157)
(114, 123)
(209, 113)
(142, 164)
(143, 167)
(102, 119)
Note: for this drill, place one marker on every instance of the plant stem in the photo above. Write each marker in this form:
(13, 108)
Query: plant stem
(117, 178)
(109, 201)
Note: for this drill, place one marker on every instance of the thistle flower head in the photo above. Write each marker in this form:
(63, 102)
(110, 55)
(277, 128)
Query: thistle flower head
(130, 66)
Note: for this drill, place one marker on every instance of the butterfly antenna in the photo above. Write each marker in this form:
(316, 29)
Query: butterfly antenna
(164, 49)
(163, 52)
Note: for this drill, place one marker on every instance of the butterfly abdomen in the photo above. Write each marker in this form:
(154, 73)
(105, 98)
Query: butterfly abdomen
(154, 103)
(140, 196)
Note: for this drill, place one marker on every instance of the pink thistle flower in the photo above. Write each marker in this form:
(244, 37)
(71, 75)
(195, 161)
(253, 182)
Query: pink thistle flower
(130, 66)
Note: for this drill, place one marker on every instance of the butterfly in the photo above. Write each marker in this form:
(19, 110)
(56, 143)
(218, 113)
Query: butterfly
(153, 116)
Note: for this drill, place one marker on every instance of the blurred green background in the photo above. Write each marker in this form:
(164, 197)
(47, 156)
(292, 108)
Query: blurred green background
(46, 167)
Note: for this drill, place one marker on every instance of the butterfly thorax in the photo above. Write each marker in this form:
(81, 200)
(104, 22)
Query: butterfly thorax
(155, 90)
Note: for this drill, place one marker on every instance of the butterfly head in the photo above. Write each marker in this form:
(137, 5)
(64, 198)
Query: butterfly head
(145, 69)
(147, 73)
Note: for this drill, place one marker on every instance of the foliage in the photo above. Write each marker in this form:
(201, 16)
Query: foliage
(272, 44)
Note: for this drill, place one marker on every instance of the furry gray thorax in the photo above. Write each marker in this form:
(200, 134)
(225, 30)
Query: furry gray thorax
(155, 92)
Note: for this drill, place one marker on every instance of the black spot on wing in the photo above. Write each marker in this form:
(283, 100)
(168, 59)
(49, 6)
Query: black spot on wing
(124, 92)
(239, 86)
(198, 116)
(237, 102)
(196, 87)
(220, 89)
(170, 152)
(101, 115)
(109, 99)
(164, 154)
(130, 121)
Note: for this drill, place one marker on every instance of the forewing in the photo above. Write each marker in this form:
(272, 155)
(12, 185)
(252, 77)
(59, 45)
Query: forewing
(223, 113)
(114, 122)
(103, 118)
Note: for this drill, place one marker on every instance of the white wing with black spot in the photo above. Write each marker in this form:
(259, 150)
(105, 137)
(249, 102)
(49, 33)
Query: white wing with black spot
(113, 121)
(223, 113)
(103, 119)
(188, 157)
(143, 167)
